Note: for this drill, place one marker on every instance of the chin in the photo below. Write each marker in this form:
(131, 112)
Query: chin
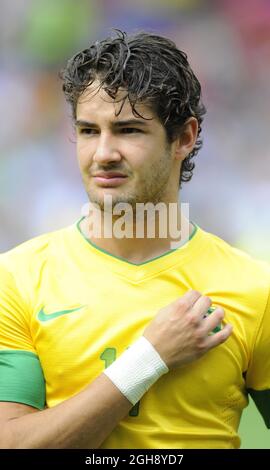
(117, 196)
(98, 199)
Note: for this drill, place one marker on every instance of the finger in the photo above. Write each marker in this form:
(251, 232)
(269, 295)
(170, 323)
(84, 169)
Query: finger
(220, 337)
(198, 310)
(200, 307)
(213, 320)
(187, 300)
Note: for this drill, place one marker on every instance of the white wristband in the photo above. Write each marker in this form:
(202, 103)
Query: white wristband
(136, 370)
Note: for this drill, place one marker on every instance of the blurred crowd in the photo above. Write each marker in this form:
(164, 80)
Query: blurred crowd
(228, 45)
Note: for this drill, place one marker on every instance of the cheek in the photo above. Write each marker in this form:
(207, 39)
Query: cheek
(141, 154)
(146, 158)
(84, 155)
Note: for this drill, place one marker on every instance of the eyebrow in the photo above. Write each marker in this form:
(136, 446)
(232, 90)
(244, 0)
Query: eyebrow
(128, 122)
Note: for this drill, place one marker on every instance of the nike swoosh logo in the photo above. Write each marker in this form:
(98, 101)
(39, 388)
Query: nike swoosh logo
(43, 317)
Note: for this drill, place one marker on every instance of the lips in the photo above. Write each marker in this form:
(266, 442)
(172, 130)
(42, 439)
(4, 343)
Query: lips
(109, 178)
(109, 174)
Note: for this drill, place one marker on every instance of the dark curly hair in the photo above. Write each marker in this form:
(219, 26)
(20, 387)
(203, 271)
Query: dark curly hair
(152, 70)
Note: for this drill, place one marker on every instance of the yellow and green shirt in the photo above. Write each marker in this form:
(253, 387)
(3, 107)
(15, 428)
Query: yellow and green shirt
(68, 309)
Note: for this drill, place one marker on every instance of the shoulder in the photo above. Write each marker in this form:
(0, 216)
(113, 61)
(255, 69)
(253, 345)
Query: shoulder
(238, 275)
(235, 258)
(32, 253)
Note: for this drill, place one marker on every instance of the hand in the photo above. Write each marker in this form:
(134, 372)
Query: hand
(179, 332)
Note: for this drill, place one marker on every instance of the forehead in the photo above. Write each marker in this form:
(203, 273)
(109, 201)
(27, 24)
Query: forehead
(95, 102)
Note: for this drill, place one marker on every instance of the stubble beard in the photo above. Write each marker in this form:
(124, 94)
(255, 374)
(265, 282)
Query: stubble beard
(152, 188)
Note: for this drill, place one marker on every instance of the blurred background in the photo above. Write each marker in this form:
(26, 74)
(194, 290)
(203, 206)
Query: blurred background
(228, 45)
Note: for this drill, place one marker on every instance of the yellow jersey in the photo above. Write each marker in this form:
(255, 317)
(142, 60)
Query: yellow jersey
(68, 309)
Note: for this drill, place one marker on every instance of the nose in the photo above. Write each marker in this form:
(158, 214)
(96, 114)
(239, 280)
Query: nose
(106, 150)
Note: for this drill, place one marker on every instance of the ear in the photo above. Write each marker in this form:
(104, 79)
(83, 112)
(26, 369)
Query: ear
(186, 141)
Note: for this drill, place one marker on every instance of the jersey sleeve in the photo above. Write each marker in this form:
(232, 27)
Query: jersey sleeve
(258, 373)
(21, 376)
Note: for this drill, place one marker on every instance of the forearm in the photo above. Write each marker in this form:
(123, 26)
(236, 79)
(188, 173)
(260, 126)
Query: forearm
(83, 421)
(87, 419)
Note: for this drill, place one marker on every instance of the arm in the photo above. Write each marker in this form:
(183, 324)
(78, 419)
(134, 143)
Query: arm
(83, 421)
(178, 333)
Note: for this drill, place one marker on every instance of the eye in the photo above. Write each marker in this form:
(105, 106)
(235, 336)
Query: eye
(87, 131)
(130, 130)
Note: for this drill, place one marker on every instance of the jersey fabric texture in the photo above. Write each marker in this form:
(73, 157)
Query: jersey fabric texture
(68, 309)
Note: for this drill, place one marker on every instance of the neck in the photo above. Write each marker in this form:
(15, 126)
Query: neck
(139, 236)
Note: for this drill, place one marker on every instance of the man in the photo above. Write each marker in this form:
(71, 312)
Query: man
(124, 341)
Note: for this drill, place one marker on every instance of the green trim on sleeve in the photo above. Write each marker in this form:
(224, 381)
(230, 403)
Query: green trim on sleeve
(21, 378)
(262, 401)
